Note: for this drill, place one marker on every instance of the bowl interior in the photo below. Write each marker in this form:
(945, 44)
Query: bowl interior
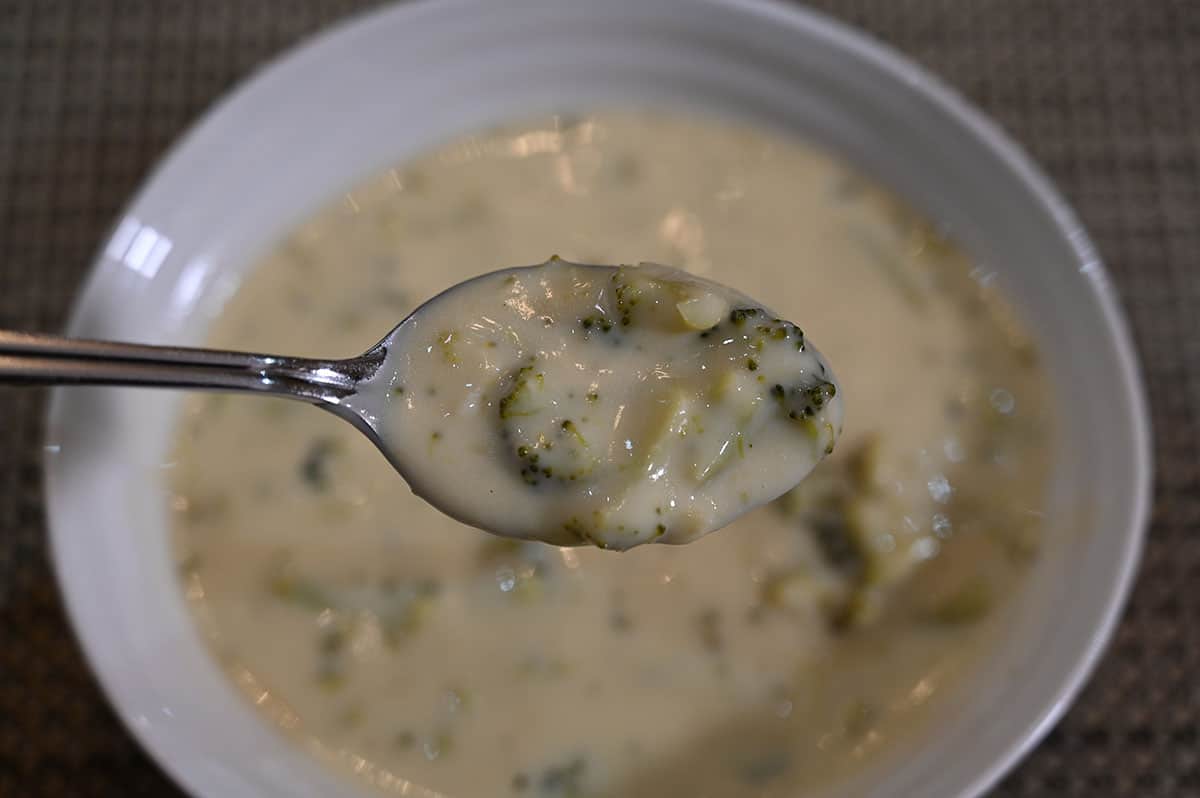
(388, 85)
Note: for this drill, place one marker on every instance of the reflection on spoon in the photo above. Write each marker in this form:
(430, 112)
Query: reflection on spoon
(573, 404)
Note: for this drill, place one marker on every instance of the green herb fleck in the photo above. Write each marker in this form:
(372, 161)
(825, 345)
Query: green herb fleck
(303, 593)
(314, 466)
(440, 745)
(447, 341)
(597, 322)
(738, 316)
(407, 611)
(569, 427)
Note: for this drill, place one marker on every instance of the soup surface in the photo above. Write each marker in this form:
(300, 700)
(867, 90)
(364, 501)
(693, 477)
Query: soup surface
(789, 649)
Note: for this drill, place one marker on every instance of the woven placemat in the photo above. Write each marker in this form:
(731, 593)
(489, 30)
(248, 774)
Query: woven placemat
(1104, 93)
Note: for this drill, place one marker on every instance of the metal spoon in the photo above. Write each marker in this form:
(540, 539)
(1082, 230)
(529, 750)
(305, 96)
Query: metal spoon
(39, 359)
(333, 385)
(361, 389)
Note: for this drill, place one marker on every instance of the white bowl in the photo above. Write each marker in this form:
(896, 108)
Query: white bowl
(386, 85)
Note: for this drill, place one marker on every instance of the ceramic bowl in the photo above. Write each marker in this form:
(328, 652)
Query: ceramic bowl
(386, 85)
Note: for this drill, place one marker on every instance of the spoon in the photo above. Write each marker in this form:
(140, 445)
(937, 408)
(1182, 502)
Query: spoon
(638, 374)
(333, 385)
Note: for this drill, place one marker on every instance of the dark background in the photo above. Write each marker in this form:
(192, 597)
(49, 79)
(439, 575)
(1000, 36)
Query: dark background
(1104, 93)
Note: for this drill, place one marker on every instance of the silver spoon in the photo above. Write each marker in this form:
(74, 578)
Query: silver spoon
(37, 359)
(351, 389)
(40, 359)
(333, 385)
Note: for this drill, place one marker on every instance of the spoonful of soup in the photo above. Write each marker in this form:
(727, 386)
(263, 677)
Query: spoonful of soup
(567, 403)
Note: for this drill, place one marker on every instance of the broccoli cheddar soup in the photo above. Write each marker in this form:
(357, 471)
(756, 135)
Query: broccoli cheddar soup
(611, 406)
(805, 641)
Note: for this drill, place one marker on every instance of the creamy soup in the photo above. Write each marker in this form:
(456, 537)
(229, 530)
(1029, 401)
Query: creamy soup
(600, 405)
(800, 643)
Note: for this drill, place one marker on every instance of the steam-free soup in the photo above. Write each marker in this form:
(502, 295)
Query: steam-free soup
(795, 646)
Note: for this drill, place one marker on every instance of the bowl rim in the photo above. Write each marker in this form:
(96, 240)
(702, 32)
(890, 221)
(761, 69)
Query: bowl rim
(857, 44)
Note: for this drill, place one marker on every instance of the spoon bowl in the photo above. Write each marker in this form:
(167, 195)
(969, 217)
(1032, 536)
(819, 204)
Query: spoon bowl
(599, 405)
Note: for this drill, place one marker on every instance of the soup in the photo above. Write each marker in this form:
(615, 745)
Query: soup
(777, 655)
(609, 406)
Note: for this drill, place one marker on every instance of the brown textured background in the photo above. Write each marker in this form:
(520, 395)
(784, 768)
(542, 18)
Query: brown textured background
(1104, 93)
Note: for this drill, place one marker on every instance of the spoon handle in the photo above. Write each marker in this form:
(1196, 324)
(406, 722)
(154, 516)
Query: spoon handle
(36, 359)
